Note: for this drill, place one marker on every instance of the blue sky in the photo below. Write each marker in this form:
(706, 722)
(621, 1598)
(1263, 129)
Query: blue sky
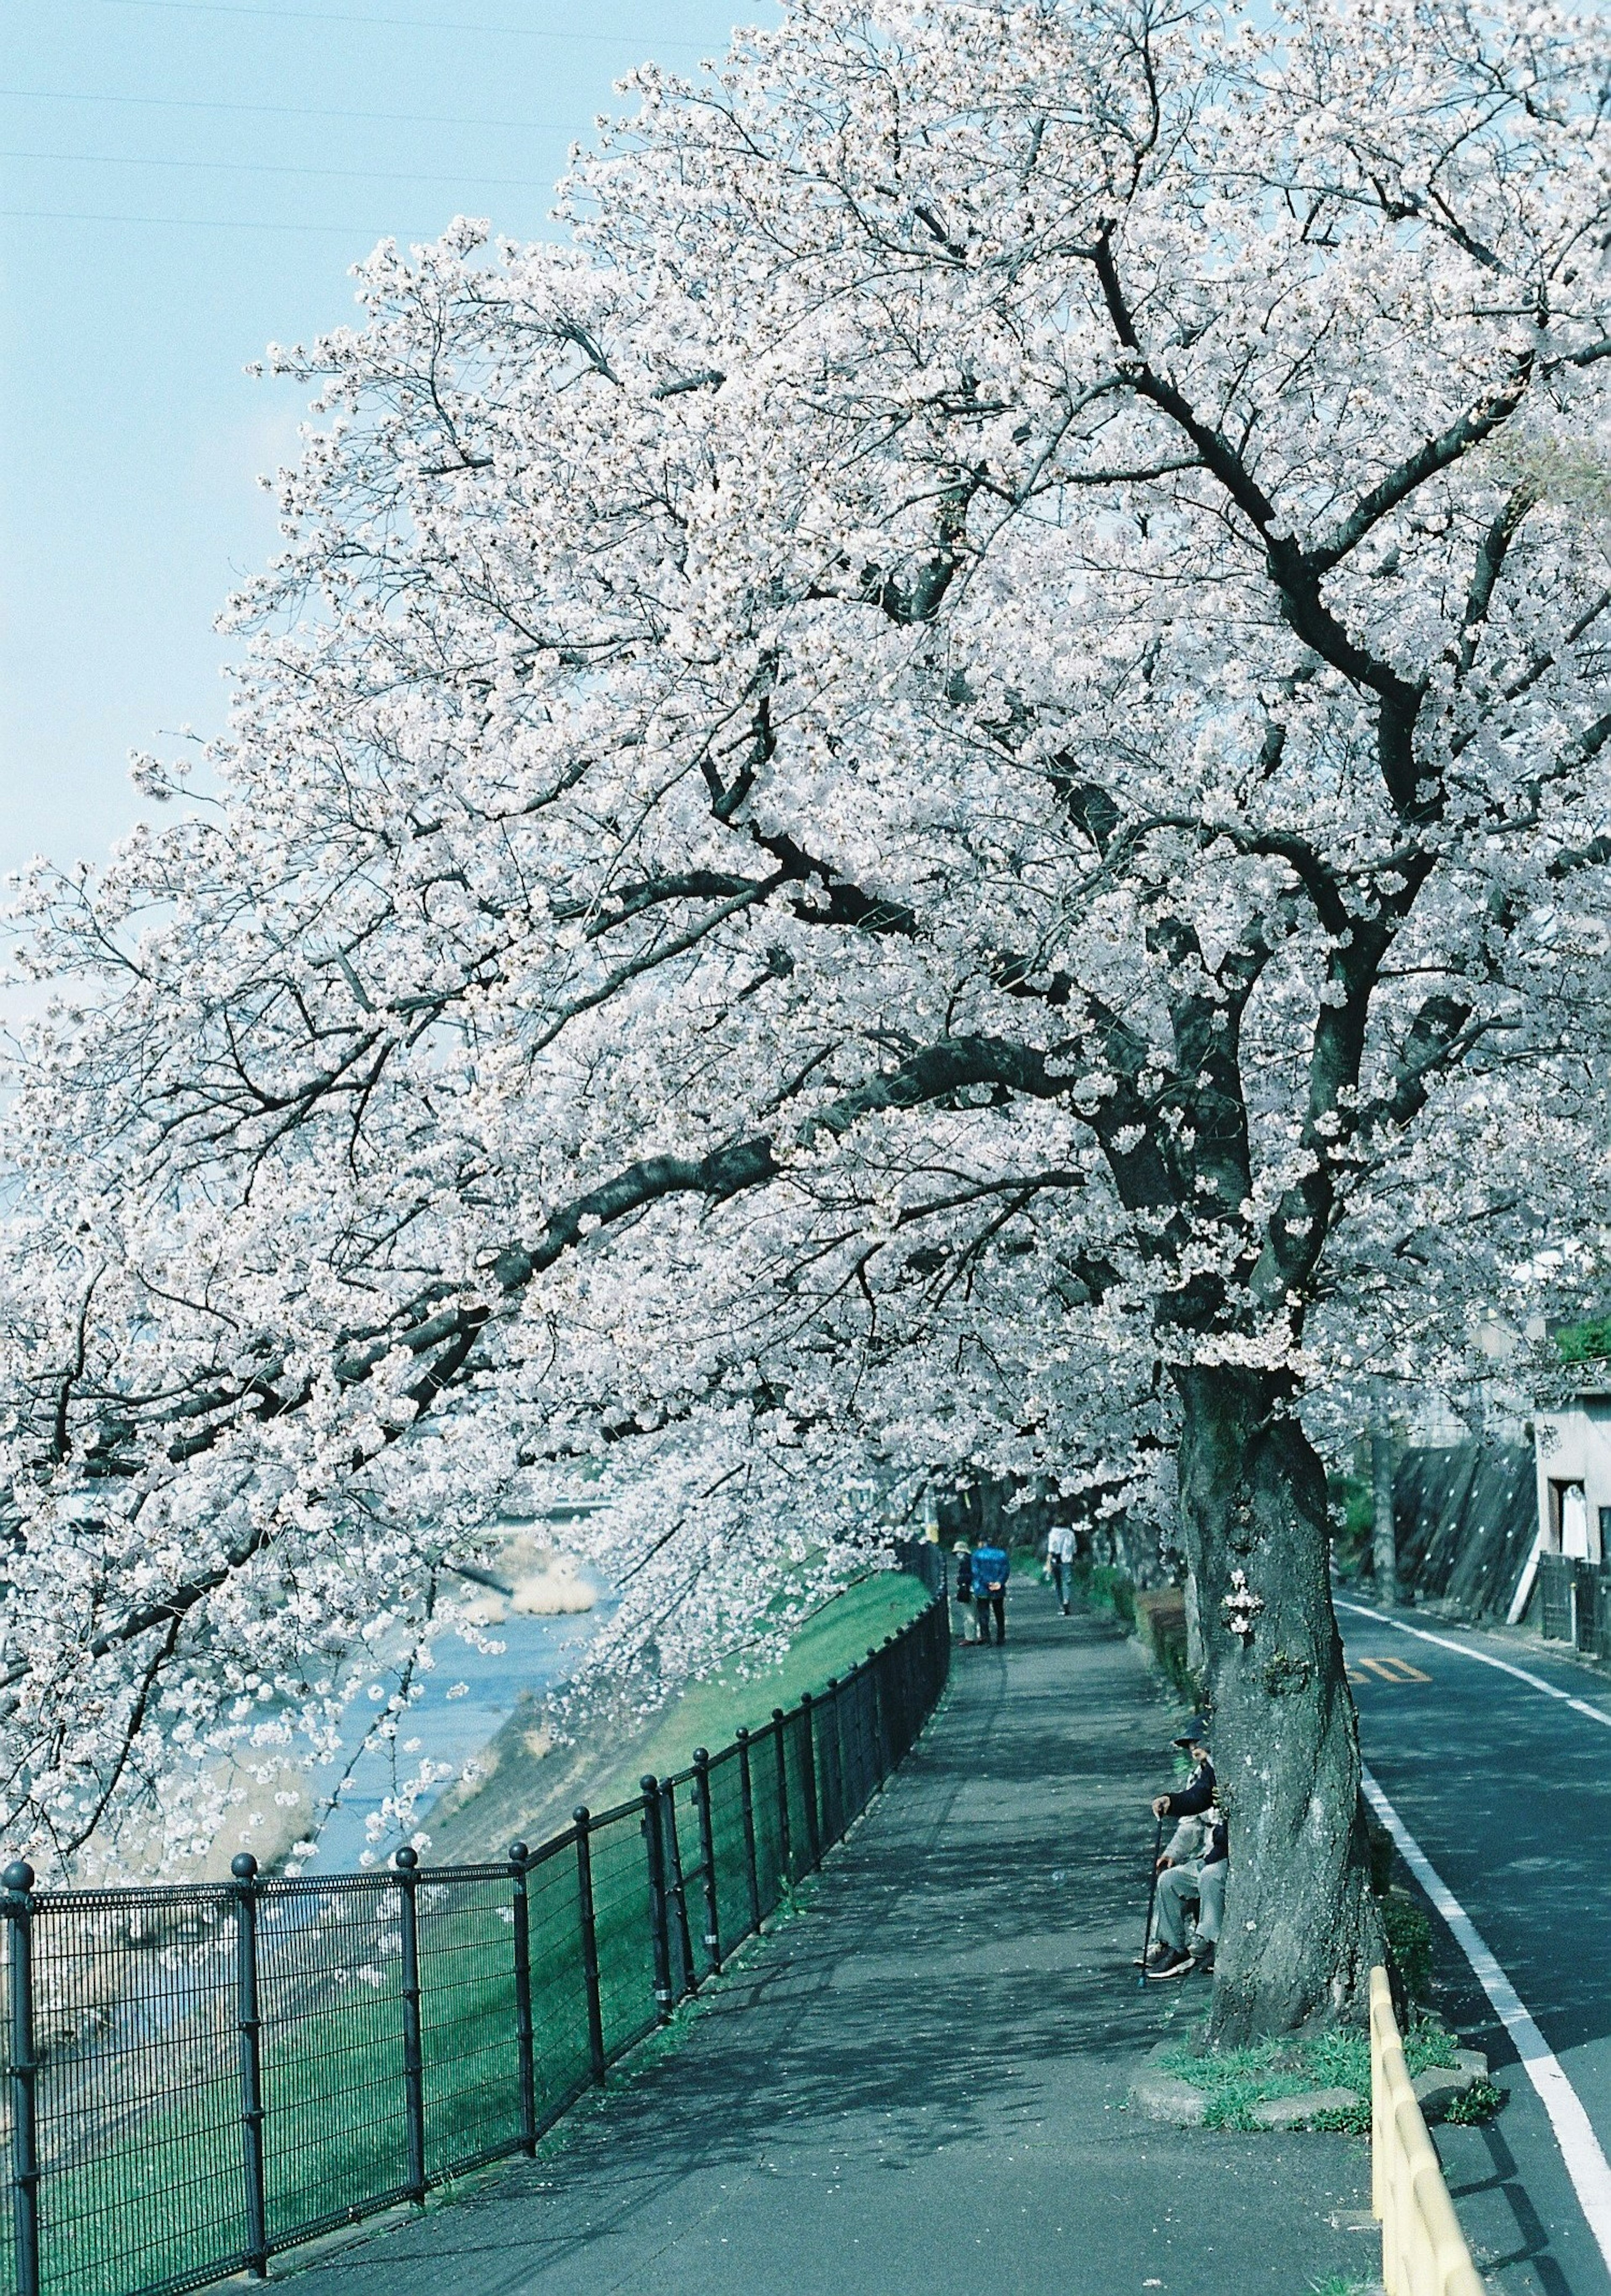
(184, 181)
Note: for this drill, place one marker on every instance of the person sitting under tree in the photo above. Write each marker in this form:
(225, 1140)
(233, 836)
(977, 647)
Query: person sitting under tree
(1193, 1866)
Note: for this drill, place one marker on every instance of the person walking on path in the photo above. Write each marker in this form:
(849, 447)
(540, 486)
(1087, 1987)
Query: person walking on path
(967, 1628)
(1193, 1866)
(990, 1569)
(1060, 1562)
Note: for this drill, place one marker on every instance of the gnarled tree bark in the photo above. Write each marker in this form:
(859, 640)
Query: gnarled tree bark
(1301, 1927)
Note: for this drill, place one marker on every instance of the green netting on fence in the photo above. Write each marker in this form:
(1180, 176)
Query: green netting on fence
(771, 1862)
(469, 2021)
(794, 1734)
(198, 2077)
(735, 1917)
(561, 2057)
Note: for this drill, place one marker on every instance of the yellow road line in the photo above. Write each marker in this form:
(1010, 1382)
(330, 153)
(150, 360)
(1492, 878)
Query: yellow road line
(1391, 1669)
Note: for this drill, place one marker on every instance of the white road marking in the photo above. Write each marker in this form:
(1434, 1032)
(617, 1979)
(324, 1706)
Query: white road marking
(1482, 1658)
(1586, 2164)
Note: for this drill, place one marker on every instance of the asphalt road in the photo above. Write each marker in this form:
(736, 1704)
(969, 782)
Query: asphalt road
(1504, 1789)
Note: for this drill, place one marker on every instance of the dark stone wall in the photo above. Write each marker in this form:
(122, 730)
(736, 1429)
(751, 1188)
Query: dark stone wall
(1466, 1517)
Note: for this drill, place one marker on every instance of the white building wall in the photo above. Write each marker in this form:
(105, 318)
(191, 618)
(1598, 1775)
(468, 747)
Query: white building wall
(1573, 1449)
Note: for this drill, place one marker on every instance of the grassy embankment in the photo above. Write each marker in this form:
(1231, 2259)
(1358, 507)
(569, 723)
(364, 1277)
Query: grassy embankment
(165, 2196)
(712, 1712)
(530, 1784)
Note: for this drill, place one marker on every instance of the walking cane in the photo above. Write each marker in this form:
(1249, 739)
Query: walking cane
(1157, 1852)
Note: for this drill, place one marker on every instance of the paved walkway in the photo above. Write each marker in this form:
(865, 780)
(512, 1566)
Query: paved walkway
(918, 2085)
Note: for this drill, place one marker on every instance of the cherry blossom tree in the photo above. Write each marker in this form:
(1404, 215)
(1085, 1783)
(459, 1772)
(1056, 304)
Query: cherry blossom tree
(934, 803)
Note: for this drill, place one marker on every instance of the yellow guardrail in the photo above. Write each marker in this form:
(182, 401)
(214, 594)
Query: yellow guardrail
(1424, 2251)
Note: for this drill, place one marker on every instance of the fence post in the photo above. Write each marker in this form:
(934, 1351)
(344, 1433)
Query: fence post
(708, 1858)
(677, 1887)
(413, 2054)
(813, 1829)
(590, 1940)
(654, 1846)
(747, 1804)
(526, 2057)
(249, 2022)
(18, 1910)
(779, 1726)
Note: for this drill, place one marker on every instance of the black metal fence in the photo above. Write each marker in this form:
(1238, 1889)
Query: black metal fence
(1575, 1603)
(198, 2076)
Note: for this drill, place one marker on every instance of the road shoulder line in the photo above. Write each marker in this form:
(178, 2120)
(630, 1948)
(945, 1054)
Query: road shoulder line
(1482, 1658)
(1586, 2163)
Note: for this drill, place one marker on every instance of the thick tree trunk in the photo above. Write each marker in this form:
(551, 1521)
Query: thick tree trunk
(1196, 1640)
(1301, 1928)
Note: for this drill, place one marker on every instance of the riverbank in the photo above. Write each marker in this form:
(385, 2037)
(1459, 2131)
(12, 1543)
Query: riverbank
(528, 1780)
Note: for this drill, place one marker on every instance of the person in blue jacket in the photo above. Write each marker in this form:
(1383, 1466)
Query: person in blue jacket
(990, 1569)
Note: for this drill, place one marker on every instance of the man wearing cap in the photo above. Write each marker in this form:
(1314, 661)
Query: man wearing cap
(1193, 1865)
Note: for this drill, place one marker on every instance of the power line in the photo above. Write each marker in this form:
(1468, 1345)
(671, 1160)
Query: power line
(406, 23)
(257, 167)
(368, 233)
(284, 110)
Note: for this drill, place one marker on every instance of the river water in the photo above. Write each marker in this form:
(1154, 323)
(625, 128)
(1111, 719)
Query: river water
(452, 1725)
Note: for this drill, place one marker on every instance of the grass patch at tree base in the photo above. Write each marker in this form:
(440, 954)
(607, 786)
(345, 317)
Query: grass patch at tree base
(1235, 2081)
